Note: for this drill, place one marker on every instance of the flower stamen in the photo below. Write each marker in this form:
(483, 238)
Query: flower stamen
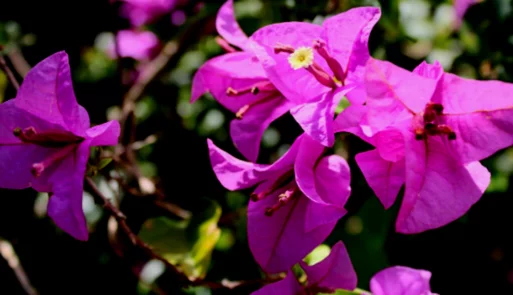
(263, 86)
(283, 199)
(334, 65)
(225, 45)
(431, 117)
(56, 138)
(302, 57)
(280, 182)
(38, 168)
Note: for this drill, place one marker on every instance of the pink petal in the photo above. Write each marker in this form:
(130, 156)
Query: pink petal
(358, 94)
(384, 177)
(65, 203)
(299, 85)
(139, 45)
(141, 12)
(238, 70)
(280, 241)
(482, 126)
(333, 179)
(463, 96)
(288, 286)
(401, 280)
(479, 135)
(308, 154)
(433, 71)
(438, 188)
(334, 272)
(316, 118)
(16, 163)
(247, 133)
(319, 214)
(394, 94)
(324, 181)
(47, 92)
(228, 27)
(390, 143)
(104, 134)
(236, 174)
(347, 36)
(351, 120)
(12, 117)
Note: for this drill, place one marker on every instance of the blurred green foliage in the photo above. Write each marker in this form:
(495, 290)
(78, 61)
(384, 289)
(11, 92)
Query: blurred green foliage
(189, 243)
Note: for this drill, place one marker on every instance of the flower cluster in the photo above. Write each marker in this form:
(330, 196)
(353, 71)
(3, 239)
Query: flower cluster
(429, 128)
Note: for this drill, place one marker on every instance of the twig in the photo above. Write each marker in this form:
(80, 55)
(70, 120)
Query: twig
(18, 61)
(224, 287)
(169, 53)
(8, 253)
(148, 73)
(8, 72)
(136, 241)
(156, 198)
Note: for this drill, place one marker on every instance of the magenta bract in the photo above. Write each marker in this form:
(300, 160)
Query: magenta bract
(296, 204)
(45, 137)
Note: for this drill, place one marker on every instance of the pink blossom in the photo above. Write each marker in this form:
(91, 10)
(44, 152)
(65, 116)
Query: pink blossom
(141, 12)
(297, 201)
(430, 130)
(45, 137)
(332, 273)
(315, 66)
(139, 45)
(401, 280)
(238, 82)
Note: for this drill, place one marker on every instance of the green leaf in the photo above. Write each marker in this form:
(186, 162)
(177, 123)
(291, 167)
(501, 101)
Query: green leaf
(187, 244)
(204, 231)
(103, 163)
(144, 108)
(198, 291)
(3, 85)
(318, 254)
(226, 240)
(342, 105)
(346, 292)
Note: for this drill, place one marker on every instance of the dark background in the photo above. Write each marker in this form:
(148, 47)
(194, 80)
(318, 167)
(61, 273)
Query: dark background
(470, 256)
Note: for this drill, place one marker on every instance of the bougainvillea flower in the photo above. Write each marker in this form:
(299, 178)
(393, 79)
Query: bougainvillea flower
(315, 66)
(238, 82)
(430, 130)
(45, 140)
(460, 8)
(297, 201)
(334, 272)
(401, 280)
(139, 45)
(141, 12)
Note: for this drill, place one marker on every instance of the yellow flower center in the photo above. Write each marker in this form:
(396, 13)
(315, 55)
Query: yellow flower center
(301, 58)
